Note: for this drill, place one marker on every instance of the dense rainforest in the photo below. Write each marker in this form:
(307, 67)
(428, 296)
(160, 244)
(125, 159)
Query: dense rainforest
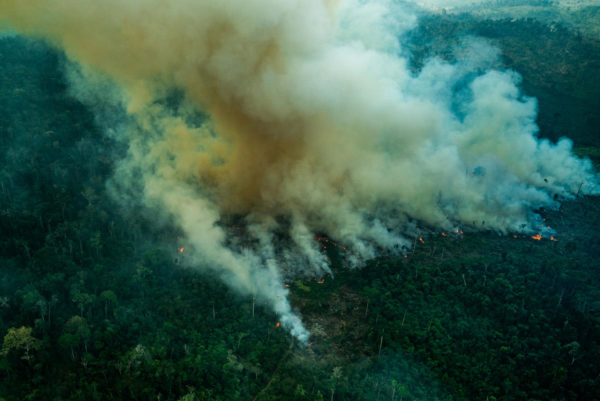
(95, 303)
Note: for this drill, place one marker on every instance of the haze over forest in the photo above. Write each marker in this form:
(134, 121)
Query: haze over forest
(299, 200)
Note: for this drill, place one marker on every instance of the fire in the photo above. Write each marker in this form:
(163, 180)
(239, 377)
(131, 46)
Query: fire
(443, 234)
(287, 285)
(421, 240)
(537, 237)
(458, 233)
(552, 238)
(326, 241)
(278, 324)
(181, 250)
(321, 281)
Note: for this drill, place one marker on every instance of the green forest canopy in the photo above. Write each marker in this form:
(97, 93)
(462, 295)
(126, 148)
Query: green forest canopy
(94, 303)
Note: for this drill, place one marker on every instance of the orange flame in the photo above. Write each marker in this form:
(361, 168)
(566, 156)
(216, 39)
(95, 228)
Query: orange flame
(552, 238)
(278, 324)
(537, 237)
(325, 240)
(443, 234)
(421, 240)
(321, 281)
(181, 250)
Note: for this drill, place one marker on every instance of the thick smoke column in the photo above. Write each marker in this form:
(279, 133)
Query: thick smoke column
(316, 125)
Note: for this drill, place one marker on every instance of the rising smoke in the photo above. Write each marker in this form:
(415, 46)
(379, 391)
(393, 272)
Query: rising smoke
(313, 124)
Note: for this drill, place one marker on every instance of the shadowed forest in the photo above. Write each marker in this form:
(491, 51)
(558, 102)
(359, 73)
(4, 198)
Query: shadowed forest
(96, 304)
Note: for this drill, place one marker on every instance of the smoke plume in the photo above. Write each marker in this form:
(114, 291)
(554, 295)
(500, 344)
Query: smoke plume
(301, 118)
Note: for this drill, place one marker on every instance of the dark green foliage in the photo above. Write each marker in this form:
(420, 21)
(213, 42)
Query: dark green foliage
(74, 275)
(559, 66)
(92, 309)
(517, 326)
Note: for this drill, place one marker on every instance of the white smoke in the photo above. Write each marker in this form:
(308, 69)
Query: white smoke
(316, 125)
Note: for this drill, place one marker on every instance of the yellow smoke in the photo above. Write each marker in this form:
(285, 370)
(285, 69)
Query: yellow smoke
(312, 116)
